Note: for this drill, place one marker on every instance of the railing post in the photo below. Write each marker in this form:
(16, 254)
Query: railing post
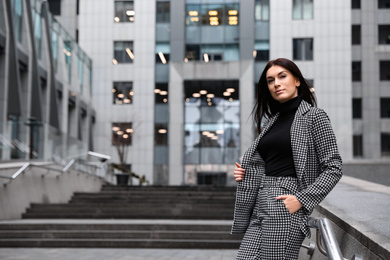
(325, 234)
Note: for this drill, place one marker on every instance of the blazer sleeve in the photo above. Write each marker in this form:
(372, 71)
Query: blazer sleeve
(329, 168)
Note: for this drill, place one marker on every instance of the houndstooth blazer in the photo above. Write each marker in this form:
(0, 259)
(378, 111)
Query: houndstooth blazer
(317, 163)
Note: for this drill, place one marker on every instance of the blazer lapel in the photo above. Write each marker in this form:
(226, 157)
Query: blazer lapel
(299, 137)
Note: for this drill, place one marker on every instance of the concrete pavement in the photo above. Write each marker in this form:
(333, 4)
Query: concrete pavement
(117, 254)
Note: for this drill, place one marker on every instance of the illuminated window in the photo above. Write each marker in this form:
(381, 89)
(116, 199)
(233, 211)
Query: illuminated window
(212, 14)
(122, 93)
(163, 51)
(212, 52)
(124, 12)
(161, 93)
(161, 134)
(121, 134)
(123, 52)
(211, 122)
(261, 51)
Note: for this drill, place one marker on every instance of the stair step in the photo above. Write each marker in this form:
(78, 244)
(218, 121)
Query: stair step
(121, 243)
(130, 217)
(121, 216)
(116, 225)
(109, 234)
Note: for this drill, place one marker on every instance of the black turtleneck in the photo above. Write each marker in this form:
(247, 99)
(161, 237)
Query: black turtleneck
(275, 146)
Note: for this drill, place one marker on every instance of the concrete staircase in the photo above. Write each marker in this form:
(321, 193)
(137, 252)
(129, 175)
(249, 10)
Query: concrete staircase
(130, 217)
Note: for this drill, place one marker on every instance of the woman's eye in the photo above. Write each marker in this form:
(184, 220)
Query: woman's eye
(282, 76)
(270, 81)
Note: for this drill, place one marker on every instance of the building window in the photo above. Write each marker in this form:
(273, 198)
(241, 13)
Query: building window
(303, 49)
(121, 134)
(384, 34)
(357, 146)
(212, 122)
(212, 52)
(163, 51)
(261, 51)
(17, 6)
(161, 134)
(355, 4)
(124, 12)
(357, 108)
(383, 4)
(55, 7)
(163, 12)
(161, 93)
(302, 9)
(385, 107)
(384, 70)
(356, 71)
(212, 14)
(262, 10)
(385, 143)
(356, 34)
(122, 93)
(123, 52)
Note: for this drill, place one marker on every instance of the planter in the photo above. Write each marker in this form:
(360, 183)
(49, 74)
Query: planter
(122, 179)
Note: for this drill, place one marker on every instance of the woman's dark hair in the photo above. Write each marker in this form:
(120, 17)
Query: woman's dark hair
(265, 105)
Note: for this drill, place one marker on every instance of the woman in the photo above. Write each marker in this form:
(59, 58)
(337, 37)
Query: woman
(288, 170)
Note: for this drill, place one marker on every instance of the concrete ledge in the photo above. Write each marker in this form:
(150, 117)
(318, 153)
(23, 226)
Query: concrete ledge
(37, 185)
(359, 211)
(373, 171)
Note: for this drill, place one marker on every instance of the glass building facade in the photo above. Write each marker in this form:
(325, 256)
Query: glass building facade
(46, 92)
(183, 74)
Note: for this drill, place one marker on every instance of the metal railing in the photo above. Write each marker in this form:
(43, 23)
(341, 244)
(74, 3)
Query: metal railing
(73, 162)
(325, 235)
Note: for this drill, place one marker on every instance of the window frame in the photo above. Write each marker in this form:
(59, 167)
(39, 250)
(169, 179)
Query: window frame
(303, 44)
(124, 17)
(300, 4)
(122, 52)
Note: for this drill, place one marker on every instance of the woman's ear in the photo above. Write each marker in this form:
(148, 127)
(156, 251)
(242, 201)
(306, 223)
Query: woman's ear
(297, 82)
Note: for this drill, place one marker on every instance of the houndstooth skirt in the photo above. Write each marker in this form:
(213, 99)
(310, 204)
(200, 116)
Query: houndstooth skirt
(273, 233)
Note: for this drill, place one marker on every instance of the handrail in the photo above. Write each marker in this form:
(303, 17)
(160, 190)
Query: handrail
(325, 234)
(70, 163)
(16, 174)
(104, 159)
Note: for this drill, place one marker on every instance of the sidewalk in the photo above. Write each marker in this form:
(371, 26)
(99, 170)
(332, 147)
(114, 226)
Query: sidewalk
(111, 253)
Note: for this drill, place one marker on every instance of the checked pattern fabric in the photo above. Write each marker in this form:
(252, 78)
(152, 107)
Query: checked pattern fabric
(317, 162)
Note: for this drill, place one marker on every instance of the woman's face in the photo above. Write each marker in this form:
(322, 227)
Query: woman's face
(282, 85)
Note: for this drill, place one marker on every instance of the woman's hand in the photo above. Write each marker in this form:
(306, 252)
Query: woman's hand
(291, 203)
(239, 173)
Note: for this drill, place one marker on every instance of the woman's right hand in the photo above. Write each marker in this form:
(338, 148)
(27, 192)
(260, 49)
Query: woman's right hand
(239, 173)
